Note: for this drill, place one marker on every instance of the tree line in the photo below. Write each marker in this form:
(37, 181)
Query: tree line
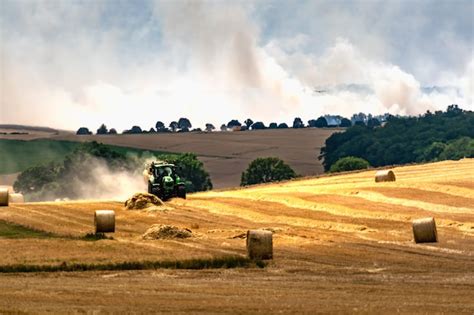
(185, 125)
(429, 137)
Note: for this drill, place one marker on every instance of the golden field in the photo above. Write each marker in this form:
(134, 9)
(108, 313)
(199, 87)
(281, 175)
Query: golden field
(341, 244)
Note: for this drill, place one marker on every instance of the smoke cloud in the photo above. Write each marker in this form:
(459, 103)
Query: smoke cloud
(108, 184)
(70, 64)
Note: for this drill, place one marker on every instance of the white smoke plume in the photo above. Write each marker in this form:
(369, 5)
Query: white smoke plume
(68, 65)
(387, 87)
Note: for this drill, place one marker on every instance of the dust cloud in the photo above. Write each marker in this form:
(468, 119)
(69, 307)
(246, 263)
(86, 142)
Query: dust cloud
(105, 183)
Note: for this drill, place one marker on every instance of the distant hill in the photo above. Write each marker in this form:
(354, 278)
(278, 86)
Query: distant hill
(25, 132)
(225, 154)
(30, 128)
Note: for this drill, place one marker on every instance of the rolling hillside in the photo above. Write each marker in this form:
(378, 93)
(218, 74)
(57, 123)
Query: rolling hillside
(341, 243)
(225, 154)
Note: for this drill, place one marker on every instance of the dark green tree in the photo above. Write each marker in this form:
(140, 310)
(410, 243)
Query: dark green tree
(210, 127)
(102, 130)
(458, 149)
(432, 152)
(248, 122)
(321, 122)
(136, 130)
(191, 169)
(312, 123)
(373, 122)
(174, 126)
(160, 126)
(83, 131)
(265, 170)
(184, 123)
(454, 110)
(233, 123)
(345, 123)
(298, 123)
(34, 179)
(258, 125)
(349, 163)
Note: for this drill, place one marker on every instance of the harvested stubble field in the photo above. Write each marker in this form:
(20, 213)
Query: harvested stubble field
(341, 244)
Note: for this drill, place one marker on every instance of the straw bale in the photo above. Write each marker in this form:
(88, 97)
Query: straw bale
(424, 230)
(104, 221)
(385, 176)
(4, 197)
(260, 244)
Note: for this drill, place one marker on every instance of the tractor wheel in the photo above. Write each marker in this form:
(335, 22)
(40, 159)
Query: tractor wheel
(181, 192)
(159, 194)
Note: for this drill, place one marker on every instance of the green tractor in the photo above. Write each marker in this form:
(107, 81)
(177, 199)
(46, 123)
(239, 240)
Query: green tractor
(164, 182)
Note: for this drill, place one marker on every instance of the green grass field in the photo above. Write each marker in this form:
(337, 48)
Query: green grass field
(14, 231)
(18, 155)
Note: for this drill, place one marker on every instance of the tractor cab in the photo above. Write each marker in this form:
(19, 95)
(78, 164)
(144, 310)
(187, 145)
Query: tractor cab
(164, 170)
(164, 181)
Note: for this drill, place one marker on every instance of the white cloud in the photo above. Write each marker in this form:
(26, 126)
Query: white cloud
(77, 65)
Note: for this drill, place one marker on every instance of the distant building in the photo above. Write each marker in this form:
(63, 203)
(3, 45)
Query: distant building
(365, 118)
(333, 120)
(382, 118)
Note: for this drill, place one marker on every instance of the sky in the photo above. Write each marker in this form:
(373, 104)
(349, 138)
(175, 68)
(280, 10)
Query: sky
(68, 63)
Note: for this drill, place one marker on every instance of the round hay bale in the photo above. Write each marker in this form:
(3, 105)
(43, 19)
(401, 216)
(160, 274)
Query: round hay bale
(4, 197)
(424, 230)
(104, 221)
(142, 200)
(17, 198)
(260, 244)
(385, 176)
